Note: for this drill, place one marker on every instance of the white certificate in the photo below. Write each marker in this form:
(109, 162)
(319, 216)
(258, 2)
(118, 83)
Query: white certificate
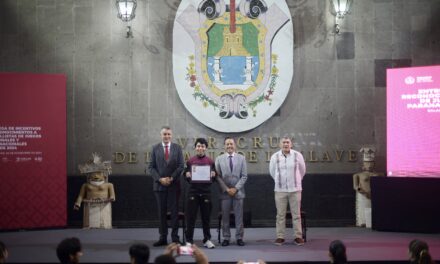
(200, 173)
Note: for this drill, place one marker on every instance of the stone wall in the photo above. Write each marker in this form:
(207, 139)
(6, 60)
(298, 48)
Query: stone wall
(120, 90)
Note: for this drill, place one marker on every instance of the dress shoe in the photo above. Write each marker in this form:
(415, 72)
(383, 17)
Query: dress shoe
(279, 241)
(160, 243)
(225, 243)
(298, 241)
(240, 242)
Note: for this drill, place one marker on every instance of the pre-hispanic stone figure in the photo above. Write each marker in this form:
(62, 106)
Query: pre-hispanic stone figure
(361, 184)
(97, 194)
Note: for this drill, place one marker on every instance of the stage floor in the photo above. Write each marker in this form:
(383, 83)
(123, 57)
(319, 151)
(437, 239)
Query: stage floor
(111, 246)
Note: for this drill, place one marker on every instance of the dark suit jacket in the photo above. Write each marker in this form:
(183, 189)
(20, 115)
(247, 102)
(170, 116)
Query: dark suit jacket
(160, 168)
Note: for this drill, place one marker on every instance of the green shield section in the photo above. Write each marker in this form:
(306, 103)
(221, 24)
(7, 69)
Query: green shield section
(215, 38)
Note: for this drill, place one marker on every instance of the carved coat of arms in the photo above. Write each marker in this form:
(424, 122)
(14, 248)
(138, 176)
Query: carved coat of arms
(233, 60)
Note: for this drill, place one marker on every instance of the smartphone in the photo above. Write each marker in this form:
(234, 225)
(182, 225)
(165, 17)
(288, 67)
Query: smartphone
(186, 250)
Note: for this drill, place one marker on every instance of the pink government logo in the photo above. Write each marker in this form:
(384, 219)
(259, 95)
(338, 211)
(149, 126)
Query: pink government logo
(410, 80)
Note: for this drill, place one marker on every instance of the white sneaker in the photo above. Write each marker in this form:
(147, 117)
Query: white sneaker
(209, 244)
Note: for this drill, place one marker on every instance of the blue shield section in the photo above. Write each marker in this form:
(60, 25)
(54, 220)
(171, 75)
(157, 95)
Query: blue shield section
(233, 69)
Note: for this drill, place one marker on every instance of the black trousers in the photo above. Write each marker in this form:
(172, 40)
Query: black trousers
(168, 200)
(194, 202)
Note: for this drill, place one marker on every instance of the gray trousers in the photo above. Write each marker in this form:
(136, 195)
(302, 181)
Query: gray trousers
(237, 205)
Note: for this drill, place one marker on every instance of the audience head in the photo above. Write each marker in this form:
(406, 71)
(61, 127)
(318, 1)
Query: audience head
(3, 252)
(69, 250)
(337, 252)
(139, 253)
(419, 252)
(165, 259)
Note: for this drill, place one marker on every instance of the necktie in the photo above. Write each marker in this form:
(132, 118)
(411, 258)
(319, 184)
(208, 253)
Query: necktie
(230, 163)
(167, 153)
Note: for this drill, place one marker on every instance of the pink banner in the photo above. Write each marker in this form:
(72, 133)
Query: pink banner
(32, 150)
(413, 122)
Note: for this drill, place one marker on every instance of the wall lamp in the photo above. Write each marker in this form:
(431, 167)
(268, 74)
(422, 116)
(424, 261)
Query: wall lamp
(340, 8)
(126, 12)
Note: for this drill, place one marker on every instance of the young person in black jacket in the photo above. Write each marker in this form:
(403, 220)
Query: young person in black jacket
(199, 193)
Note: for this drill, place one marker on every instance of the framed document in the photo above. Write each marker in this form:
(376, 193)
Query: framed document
(201, 173)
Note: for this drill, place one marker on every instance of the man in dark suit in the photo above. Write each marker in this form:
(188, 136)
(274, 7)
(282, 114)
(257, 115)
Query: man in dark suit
(165, 168)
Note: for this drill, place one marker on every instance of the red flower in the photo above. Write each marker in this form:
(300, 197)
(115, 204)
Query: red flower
(192, 84)
(192, 78)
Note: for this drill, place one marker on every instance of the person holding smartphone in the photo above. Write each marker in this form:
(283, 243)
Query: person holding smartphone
(173, 250)
(199, 173)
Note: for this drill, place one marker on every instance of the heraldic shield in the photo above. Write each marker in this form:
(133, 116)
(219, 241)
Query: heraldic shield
(233, 60)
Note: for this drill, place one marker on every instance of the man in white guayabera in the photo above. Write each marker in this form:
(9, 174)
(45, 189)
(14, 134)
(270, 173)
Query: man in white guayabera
(287, 168)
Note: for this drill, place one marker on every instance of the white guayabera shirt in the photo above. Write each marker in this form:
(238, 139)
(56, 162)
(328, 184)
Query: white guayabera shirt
(287, 171)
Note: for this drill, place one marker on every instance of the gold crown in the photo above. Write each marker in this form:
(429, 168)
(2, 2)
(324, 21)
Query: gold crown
(95, 165)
